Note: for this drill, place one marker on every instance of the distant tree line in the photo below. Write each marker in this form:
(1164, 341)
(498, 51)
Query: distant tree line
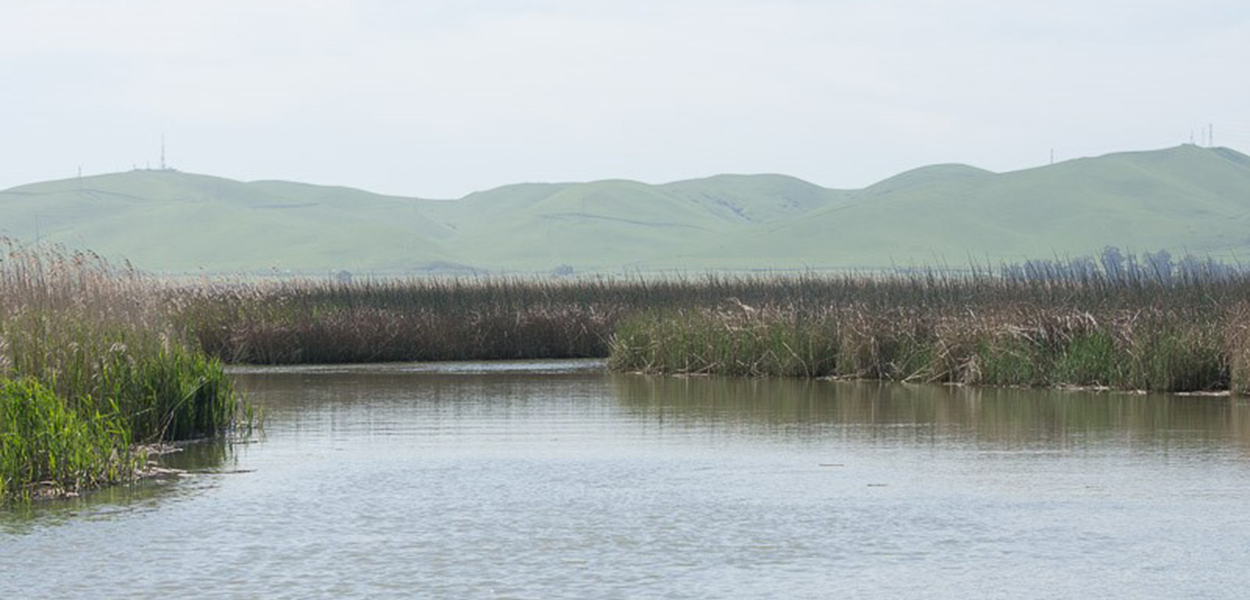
(1117, 266)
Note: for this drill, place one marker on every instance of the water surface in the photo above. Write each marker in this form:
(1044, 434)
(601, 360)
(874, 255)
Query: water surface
(556, 480)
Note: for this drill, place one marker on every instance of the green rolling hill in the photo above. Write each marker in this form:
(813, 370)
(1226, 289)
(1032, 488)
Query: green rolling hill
(179, 222)
(1183, 199)
(1186, 200)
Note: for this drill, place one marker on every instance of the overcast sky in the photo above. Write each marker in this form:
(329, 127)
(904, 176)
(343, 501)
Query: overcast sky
(438, 99)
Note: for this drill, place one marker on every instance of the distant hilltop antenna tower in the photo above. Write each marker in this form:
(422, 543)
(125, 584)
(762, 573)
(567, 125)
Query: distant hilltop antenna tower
(163, 167)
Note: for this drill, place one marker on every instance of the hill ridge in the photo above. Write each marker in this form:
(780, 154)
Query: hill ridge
(1185, 197)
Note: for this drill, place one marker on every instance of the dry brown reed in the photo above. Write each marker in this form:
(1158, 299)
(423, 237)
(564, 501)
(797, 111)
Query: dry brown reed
(1136, 334)
(90, 362)
(307, 321)
(1088, 329)
(1237, 342)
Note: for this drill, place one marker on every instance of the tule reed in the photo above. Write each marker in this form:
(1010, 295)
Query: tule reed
(91, 370)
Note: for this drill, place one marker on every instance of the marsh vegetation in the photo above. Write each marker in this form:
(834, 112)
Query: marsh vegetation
(1087, 328)
(92, 369)
(1124, 325)
(96, 361)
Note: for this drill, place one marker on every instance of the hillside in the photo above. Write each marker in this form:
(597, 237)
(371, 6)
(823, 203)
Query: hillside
(1184, 199)
(180, 222)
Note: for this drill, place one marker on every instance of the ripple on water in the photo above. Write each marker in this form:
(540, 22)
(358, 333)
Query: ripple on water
(545, 482)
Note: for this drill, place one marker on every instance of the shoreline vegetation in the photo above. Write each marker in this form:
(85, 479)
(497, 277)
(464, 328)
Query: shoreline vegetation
(92, 373)
(97, 361)
(1124, 325)
(1026, 345)
(1058, 326)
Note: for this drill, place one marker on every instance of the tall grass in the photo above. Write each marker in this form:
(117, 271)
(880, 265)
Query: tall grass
(315, 321)
(427, 320)
(1238, 344)
(1181, 334)
(1025, 346)
(44, 442)
(1044, 325)
(320, 321)
(91, 364)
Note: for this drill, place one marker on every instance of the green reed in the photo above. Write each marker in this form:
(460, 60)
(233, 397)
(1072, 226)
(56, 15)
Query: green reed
(43, 442)
(1150, 348)
(94, 365)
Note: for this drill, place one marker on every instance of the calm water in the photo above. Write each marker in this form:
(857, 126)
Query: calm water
(555, 480)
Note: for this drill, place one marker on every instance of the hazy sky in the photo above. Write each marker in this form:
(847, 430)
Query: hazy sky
(438, 99)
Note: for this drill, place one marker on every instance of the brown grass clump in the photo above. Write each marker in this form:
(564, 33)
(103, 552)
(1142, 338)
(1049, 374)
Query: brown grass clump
(1237, 341)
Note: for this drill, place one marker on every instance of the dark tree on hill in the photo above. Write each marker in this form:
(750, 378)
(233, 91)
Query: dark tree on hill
(1159, 265)
(1112, 263)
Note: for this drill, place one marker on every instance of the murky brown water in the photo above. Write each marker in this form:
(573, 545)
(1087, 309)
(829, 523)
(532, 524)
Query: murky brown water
(556, 480)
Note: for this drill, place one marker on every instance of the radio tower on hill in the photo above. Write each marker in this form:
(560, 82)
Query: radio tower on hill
(163, 167)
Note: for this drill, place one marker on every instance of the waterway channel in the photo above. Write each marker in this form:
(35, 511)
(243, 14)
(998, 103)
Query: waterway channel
(559, 480)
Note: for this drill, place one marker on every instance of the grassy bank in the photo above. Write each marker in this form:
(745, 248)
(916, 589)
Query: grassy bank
(1024, 346)
(1184, 335)
(91, 367)
(1064, 327)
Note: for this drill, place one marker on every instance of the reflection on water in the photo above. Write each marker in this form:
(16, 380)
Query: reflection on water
(925, 413)
(195, 462)
(509, 367)
(558, 480)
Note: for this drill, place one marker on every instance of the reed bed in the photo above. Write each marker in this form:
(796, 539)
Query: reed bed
(1178, 334)
(322, 321)
(91, 369)
(486, 318)
(1021, 346)
(96, 361)
(1045, 325)
(303, 322)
